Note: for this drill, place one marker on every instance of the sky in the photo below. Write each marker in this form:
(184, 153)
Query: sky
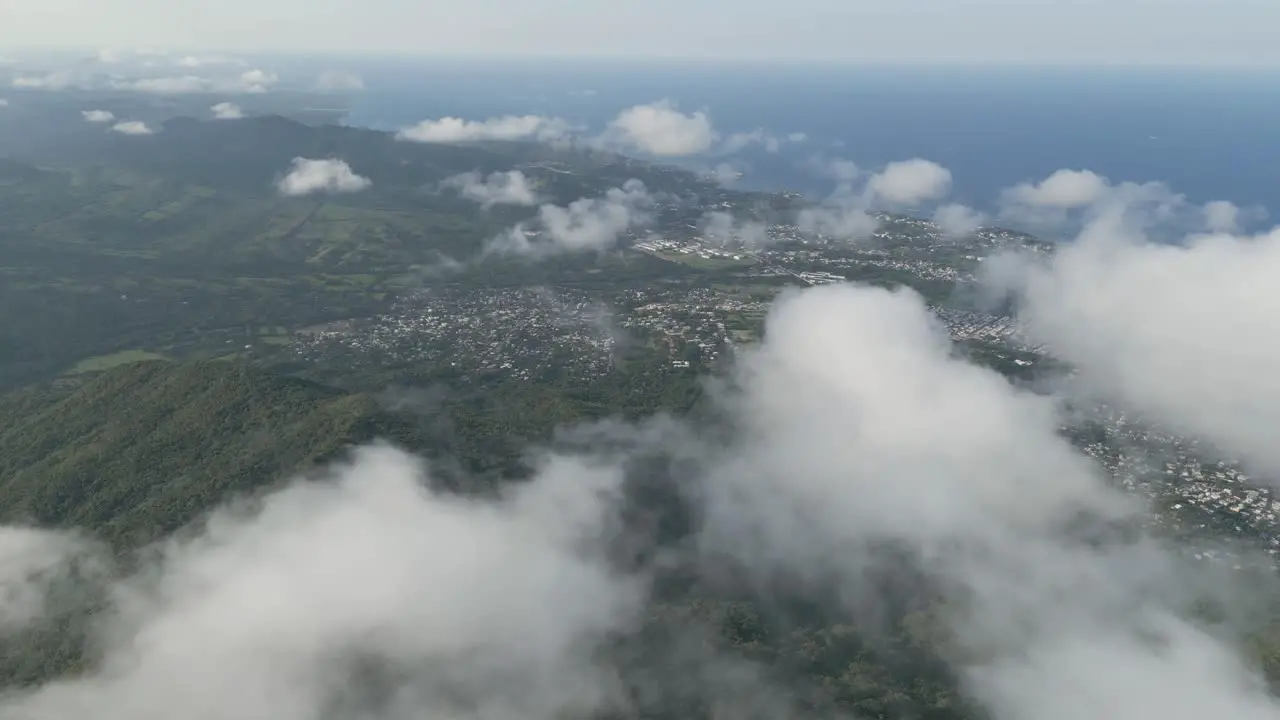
(1160, 32)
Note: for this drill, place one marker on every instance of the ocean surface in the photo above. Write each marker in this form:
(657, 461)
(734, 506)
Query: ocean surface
(1210, 134)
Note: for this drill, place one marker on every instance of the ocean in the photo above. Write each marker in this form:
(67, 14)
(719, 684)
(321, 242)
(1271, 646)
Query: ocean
(1210, 134)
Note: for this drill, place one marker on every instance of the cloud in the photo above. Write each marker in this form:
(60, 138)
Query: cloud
(132, 127)
(910, 182)
(339, 81)
(350, 598)
(849, 212)
(737, 142)
(661, 129)
(859, 431)
(50, 81)
(257, 81)
(585, 225)
(1064, 189)
(1179, 332)
(178, 85)
(841, 220)
(227, 111)
(1064, 203)
(199, 61)
(724, 229)
(1222, 216)
(499, 188)
(97, 116)
(509, 127)
(250, 81)
(31, 560)
(4, 102)
(957, 220)
(327, 176)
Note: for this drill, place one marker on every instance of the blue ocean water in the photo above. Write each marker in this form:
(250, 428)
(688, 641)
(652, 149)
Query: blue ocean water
(1211, 134)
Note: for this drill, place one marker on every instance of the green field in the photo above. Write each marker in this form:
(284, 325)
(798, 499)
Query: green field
(106, 362)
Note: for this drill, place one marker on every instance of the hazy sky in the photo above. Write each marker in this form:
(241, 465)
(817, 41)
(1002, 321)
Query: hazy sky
(1108, 31)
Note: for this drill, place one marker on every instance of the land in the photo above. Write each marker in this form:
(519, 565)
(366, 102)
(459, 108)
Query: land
(175, 333)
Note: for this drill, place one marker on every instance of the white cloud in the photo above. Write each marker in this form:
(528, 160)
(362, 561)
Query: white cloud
(199, 61)
(250, 81)
(1064, 189)
(227, 111)
(910, 182)
(30, 561)
(957, 220)
(722, 228)
(585, 225)
(661, 129)
(257, 81)
(510, 127)
(859, 430)
(51, 81)
(177, 85)
(1222, 216)
(1182, 333)
(339, 81)
(838, 218)
(97, 116)
(327, 176)
(737, 142)
(4, 102)
(499, 188)
(132, 127)
(284, 612)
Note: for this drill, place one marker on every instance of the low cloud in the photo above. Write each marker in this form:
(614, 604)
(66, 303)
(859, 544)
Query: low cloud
(250, 81)
(661, 129)
(4, 102)
(322, 176)
(1064, 189)
(957, 220)
(349, 598)
(31, 560)
(722, 228)
(838, 219)
(200, 61)
(226, 111)
(50, 81)
(1222, 216)
(585, 225)
(738, 142)
(97, 116)
(849, 213)
(1181, 333)
(499, 188)
(132, 127)
(257, 81)
(908, 183)
(1068, 200)
(339, 81)
(510, 127)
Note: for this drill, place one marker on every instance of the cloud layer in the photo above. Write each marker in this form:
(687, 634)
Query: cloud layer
(226, 111)
(97, 116)
(132, 127)
(661, 129)
(499, 188)
(584, 225)
(326, 176)
(366, 596)
(511, 127)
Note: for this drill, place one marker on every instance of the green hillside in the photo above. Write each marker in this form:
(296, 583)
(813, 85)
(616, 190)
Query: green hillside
(143, 449)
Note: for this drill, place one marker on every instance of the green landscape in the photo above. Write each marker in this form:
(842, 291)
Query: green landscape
(176, 334)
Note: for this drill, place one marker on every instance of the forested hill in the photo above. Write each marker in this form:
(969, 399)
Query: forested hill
(143, 449)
